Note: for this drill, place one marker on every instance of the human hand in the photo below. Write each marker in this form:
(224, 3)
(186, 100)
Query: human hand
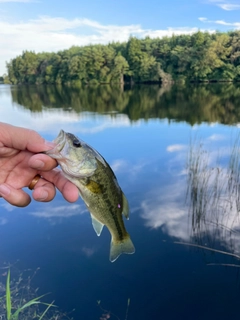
(20, 163)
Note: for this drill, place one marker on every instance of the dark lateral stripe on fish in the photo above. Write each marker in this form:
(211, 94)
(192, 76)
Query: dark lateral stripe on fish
(105, 189)
(115, 219)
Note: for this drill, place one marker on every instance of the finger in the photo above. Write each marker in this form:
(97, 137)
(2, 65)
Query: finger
(67, 188)
(42, 162)
(22, 139)
(44, 191)
(16, 197)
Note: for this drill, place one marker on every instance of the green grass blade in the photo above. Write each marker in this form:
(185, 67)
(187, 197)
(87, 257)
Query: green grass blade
(46, 310)
(29, 304)
(8, 297)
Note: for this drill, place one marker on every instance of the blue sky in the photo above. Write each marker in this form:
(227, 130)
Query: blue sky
(52, 25)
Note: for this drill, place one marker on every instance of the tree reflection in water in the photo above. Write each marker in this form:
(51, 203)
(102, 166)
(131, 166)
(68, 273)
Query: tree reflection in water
(191, 104)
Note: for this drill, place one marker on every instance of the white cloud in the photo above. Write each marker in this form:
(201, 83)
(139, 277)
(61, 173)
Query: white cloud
(235, 25)
(7, 206)
(63, 211)
(216, 137)
(229, 7)
(56, 33)
(119, 165)
(202, 19)
(88, 251)
(3, 221)
(225, 5)
(130, 169)
(162, 209)
(105, 122)
(176, 147)
(224, 23)
(170, 31)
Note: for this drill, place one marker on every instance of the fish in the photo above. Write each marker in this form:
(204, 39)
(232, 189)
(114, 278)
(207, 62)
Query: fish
(98, 187)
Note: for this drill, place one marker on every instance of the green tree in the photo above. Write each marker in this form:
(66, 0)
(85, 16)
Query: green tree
(121, 68)
(198, 57)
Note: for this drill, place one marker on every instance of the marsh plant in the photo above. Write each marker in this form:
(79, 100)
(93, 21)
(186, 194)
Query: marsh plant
(19, 301)
(213, 193)
(206, 187)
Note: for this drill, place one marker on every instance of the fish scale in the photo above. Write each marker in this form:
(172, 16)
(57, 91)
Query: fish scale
(109, 207)
(98, 187)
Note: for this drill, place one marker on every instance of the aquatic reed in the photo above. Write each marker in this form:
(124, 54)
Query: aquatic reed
(213, 196)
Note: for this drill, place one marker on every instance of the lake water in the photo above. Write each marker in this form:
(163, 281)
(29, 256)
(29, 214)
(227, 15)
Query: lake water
(174, 151)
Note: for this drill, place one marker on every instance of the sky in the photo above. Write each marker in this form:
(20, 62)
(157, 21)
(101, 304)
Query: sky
(53, 25)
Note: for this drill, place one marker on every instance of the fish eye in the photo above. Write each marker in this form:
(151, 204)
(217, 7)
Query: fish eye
(76, 143)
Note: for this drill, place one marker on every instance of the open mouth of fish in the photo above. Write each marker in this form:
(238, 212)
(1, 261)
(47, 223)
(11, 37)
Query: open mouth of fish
(82, 167)
(60, 142)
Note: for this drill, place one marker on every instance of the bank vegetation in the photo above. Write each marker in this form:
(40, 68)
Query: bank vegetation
(200, 57)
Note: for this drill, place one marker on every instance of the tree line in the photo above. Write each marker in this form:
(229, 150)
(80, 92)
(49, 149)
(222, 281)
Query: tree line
(198, 57)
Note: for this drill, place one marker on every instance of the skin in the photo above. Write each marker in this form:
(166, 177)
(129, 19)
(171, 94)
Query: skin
(20, 163)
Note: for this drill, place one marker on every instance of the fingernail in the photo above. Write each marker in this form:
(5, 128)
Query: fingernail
(4, 190)
(44, 196)
(38, 164)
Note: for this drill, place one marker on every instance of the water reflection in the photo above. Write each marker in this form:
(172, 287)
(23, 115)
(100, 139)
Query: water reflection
(214, 196)
(200, 201)
(193, 104)
(156, 165)
(60, 211)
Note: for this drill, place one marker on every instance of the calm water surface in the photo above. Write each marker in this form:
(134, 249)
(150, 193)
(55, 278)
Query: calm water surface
(175, 153)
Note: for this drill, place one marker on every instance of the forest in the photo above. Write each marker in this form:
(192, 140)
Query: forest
(200, 57)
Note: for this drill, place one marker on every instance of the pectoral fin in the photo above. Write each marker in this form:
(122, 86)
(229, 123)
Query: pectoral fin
(125, 211)
(94, 186)
(97, 226)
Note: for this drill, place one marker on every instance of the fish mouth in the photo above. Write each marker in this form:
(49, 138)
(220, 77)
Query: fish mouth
(60, 141)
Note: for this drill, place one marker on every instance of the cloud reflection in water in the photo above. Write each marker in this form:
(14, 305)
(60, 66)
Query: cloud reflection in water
(62, 211)
(211, 188)
(164, 209)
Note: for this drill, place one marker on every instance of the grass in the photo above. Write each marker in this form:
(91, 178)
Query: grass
(20, 302)
(20, 309)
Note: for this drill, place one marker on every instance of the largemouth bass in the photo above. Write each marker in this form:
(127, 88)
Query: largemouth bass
(98, 187)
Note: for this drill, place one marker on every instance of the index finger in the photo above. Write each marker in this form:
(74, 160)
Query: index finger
(67, 188)
(23, 139)
(42, 162)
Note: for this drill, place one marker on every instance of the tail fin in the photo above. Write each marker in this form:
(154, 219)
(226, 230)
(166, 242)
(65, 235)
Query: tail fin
(119, 247)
